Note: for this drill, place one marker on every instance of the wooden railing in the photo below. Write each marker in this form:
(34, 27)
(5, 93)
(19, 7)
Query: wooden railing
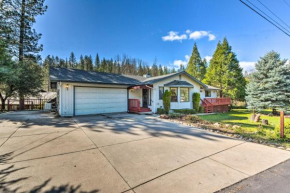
(134, 105)
(218, 101)
(215, 104)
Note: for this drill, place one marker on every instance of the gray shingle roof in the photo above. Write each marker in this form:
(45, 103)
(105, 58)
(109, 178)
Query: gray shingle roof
(74, 75)
(82, 76)
(178, 83)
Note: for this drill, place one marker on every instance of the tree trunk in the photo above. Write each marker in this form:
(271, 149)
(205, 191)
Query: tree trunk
(22, 28)
(21, 102)
(3, 104)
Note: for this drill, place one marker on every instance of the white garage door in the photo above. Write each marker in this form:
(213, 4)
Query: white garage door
(90, 100)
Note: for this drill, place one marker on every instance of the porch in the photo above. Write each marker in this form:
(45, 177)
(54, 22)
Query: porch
(140, 99)
(212, 105)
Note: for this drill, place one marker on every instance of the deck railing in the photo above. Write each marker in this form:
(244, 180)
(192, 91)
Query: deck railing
(218, 101)
(215, 104)
(134, 105)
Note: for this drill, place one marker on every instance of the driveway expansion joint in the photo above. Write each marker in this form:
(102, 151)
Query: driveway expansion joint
(106, 158)
(230, 167)
(186, 165)
(14, 132)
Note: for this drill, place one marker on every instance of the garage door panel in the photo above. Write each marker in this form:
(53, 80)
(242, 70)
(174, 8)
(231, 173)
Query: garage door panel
(99, 100)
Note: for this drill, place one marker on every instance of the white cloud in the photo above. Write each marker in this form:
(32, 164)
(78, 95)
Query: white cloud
(248, 66)
(177, 63)
(211, 37)
(172, 36)
(200, 34)
(188, 31)
(208, 58)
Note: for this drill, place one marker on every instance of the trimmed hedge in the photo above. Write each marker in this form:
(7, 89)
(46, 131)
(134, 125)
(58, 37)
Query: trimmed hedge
(160, 111)
(185, 111)
(196, 101)
(166, 101)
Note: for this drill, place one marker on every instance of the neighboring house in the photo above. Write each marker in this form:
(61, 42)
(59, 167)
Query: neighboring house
(87, 92)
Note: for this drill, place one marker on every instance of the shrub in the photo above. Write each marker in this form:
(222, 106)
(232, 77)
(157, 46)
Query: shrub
(185, 111)
(196, 101)
(286, 130)
(160, 111)
(201, 109)
(193, 118)
(175, 115)
(166, 101)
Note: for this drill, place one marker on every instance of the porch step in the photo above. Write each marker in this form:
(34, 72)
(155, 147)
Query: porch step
(145, 109)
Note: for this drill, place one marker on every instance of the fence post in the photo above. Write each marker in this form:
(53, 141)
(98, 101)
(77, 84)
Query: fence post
(8, 105)
(282, 124)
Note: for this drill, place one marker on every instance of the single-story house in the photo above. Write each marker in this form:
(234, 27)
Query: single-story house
(82, 92)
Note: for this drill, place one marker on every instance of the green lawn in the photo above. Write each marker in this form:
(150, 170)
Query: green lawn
(241, 117)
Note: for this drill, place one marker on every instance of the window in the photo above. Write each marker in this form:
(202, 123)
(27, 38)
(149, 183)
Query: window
(207, 93)
(53, 86)
(174, 94)
(161, 92)
(184, 94)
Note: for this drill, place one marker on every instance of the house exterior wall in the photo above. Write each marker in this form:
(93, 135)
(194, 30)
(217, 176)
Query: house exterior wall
(66, 95)
(136, 94)
(157, 103)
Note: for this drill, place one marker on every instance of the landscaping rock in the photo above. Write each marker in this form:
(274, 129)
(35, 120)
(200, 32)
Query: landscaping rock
(236, 127)
(253, 117)
(265, 122)
(257, 118)
(216, 125)
(227, 125)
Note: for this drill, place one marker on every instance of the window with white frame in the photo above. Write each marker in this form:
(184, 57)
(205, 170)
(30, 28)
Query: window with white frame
(184, 94)
(207, 93)
(161, 92)
(174, 94)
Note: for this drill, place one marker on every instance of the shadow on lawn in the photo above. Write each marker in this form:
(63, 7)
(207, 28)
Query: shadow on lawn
(11, 182)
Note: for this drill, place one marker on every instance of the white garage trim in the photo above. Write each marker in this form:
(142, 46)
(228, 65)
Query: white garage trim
(97, 100)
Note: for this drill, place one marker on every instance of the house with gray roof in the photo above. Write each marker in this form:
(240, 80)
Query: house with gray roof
(88, 92)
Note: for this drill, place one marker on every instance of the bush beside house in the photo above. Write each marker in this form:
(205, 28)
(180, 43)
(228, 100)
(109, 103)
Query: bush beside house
(196, 101)
(166, 101)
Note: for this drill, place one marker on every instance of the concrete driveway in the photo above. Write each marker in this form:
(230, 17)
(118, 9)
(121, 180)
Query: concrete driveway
(121, 153)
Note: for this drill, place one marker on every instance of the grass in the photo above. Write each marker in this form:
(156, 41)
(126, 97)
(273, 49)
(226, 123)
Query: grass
(241, 117)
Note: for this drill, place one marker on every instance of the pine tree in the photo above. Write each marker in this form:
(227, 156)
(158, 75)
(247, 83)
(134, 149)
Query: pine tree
(181, 68)
(82, 63)
(196, 67)
(225, 72)
(97, 63)
(17, 19)
(72, 61)
(166, 71)
(269, 85)
(160, 70)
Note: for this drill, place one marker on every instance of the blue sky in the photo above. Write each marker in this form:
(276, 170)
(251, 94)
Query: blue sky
(166, 30)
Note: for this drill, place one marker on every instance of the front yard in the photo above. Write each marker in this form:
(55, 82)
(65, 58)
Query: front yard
(237, 123)
(256, 130)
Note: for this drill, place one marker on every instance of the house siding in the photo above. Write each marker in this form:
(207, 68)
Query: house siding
(178, 105)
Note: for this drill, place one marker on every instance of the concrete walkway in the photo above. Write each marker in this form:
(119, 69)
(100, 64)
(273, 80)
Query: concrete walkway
(121, 153)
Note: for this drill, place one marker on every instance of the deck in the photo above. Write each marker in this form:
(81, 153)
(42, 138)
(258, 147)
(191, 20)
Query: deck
(212, 105)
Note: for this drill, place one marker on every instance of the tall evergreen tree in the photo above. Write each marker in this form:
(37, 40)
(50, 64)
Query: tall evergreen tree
(82, 63)
(225, 72)
(196, 67)
(72, 61)
(269, 85)
(17, 18)
(160, 70)
(97, 63)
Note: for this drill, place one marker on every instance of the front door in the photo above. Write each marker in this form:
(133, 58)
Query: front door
(145, 98)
